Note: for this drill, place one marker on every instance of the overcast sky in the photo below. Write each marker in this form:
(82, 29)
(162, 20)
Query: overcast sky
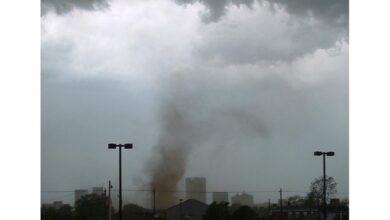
(258, 85)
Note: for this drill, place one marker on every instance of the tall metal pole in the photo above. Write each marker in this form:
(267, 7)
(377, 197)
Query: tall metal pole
(324, 199)
(120, 183)
(324, 154)
(114, 146)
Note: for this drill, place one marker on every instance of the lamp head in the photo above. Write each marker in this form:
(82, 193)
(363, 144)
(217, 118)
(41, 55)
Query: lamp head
(128, 146)
(317, 153)
(330, 153)
(111, 146)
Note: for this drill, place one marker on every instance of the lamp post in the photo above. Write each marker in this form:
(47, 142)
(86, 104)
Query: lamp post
(120, 146)
(324, 154)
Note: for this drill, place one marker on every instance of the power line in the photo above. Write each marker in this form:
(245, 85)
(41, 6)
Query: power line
(184, 191)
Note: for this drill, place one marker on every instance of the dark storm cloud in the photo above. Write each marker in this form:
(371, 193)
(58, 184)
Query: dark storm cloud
(333, 11)
(217, 8)
(264, 36)
(65, 6)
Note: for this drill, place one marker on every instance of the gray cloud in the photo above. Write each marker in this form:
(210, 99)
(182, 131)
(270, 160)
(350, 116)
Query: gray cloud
(251, 44)
(65, 6)
(267, 34)
(217, 8)
(333, 11)
(263, 37)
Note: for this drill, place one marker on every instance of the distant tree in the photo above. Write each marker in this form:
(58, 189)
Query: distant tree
(245, 213)
(312, 200)
(295, 200)
(91, 207)
(317, 188)
(234, 208)
(65, 212)
(49, 213)
(217, 211)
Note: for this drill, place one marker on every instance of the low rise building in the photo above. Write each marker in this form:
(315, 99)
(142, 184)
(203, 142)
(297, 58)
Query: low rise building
(191, 209)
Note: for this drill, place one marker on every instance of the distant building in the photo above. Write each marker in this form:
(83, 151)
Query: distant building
(196, 188)
(308, 213)
(97, 190)
(243, 199)
(190, 209)
(78, 193)
(220, 197)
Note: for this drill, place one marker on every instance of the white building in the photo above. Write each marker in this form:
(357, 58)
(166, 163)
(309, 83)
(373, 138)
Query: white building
(196, 188)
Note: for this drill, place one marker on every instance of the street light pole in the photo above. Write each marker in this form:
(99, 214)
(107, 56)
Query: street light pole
(120, 183)
(324, 154)
(324, 196)
(114, 146)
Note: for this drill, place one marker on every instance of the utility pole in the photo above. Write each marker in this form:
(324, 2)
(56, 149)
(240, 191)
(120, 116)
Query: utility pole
(154, 200)
(269, 207)
(281, 203)
(310, 207)
(269, 204)
(109, 199)
(105, 202)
